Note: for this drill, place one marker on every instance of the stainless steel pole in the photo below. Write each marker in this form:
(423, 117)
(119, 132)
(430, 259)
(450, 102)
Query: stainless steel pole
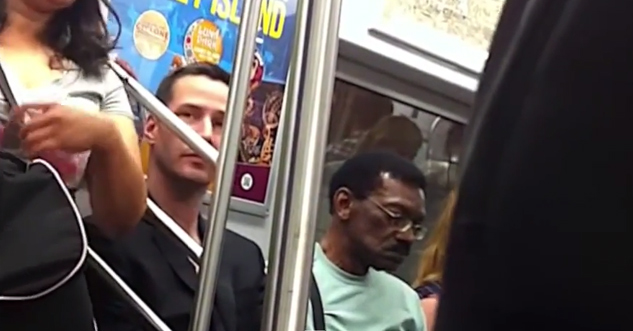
(314, 116)
(105, 271)
(225, 167)
(166, 116)
(284, 157)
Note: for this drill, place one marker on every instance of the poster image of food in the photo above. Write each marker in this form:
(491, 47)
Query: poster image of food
(158, 36)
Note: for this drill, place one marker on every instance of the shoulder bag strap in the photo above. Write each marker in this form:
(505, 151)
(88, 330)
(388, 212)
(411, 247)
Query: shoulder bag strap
(11, 132)
(317, 305)
(6, 89)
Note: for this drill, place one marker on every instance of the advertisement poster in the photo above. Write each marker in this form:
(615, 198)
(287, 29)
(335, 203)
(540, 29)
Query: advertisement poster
(160, 35)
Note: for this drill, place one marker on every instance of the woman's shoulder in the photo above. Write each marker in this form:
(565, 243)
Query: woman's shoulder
(111, 81)
(106, 82)
(96, 93)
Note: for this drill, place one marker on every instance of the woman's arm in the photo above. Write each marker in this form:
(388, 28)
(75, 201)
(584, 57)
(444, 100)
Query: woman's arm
(114, 173)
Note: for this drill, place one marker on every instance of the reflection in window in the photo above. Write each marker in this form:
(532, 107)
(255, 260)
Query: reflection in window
(362, 120)
(472, 21)
(346, 134)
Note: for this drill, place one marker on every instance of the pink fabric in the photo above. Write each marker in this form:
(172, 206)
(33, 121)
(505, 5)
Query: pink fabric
(69, 166)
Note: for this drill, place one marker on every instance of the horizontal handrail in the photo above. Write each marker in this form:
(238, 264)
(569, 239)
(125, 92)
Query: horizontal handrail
(148, 101)
(166, 116)
(194, 249)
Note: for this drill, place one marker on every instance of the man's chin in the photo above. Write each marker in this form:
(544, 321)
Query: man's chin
(390, 263)
(388, 267)
(197, 177)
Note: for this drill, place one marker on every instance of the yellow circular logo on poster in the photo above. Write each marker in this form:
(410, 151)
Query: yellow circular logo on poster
(203, 42)
(151, 35)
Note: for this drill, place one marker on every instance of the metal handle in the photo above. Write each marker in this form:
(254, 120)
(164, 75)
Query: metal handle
(194, 250)
(238, 92)
(320, 66)
(434, 125)
(182, 130)
(285, 141)
(166, 116)
(102, 268)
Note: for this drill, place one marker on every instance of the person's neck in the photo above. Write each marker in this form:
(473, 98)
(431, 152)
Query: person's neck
(339, 251)
(23, 26)
(181, 201)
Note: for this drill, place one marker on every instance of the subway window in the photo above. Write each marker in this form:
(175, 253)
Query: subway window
(362, 120)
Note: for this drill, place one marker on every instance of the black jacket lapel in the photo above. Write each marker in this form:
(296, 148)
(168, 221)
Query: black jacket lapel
(178, 260)
(223, 318)
(225, 309)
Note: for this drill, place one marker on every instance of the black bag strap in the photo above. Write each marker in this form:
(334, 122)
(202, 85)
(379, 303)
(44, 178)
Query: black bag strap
(6, 89)
(11, 131)
(318, 316)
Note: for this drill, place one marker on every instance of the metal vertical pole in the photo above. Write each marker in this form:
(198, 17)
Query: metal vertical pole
(285, 142)
(225, 167)
(320, 69)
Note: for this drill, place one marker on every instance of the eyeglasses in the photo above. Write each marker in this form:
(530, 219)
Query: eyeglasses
(402, 222)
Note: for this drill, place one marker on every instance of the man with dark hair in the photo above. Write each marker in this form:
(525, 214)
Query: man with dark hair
(165, 91)
(377, 207)
(156, 266)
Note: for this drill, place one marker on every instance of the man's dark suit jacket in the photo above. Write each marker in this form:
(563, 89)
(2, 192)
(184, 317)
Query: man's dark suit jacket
(158, 269)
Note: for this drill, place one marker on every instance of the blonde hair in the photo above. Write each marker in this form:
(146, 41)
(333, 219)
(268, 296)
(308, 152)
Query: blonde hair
(431, 266)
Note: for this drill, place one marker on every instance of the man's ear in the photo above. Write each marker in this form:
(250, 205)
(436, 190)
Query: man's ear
(342, 202)
(150, 130)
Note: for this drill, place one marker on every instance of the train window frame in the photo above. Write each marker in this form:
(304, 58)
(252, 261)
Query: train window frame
(420, 96)
(442, 47)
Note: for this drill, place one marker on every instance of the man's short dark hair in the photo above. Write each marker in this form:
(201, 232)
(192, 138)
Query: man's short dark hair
(165, 90)
(362, 174)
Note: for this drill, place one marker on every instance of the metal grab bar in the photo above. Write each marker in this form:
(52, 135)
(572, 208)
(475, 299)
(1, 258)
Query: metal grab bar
(320, 68)
(194, 250)
(314, 113)
(284, 147)
(166, 116)
(434, 125)
(110, 276)
(239, 91)
(184, 132)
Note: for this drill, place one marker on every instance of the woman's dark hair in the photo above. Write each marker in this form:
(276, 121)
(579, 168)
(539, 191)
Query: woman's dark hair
(79, 33)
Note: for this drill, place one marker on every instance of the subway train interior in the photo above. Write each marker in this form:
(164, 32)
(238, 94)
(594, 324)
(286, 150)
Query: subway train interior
(309, 85)
(406, 81)
(430, 83)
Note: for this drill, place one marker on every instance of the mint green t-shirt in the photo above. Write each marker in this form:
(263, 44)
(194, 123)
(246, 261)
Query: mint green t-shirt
(377, 301)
